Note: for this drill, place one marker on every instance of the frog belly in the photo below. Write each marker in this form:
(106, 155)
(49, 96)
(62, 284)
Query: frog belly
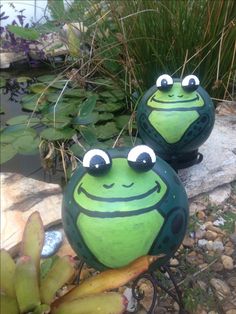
(172, 125)
(115, 242)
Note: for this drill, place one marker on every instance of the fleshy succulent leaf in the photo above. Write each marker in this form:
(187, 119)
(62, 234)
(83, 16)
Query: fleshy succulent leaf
(7, 273)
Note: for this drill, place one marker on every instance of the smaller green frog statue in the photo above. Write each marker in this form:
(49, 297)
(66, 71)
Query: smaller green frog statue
(175, 117)
(121, 204)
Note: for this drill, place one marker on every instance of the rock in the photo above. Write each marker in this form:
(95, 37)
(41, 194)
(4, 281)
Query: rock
(211, 235)
(220, 194)
(201, 215)
(52, 242)
(196, 207)
(219, 159)
(221, 288)
(174, 262)
(20, 197)
(209, 245)
(217, 267)
(199, 234)
(202, 284)
(212, 312)
(188, 242)
(233, 311)
(218, 246)
(233, 238)
(132, 302)
(229, 250)
(220, 221)
(202, 243)
(227, 262)
(232, 281)
(213, 228)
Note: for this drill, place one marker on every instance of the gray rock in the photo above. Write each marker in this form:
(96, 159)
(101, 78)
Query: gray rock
(52, 242)
(220, 194)
(221, 288)
(218, 246)
(202, 243)
(219, 160)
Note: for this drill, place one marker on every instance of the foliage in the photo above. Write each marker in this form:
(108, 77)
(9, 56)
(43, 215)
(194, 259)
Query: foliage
(18, 36)
(31, 286)
(65, 120)
(135, 41)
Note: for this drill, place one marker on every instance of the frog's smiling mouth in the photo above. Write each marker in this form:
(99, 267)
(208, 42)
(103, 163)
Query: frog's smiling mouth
(174, 102)
(156, 188)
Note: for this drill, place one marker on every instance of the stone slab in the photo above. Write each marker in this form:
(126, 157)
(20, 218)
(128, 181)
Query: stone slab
(219, 159)
(21, 196)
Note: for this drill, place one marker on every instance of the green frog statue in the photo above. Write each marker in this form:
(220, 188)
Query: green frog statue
(175, 117)
(124, 203)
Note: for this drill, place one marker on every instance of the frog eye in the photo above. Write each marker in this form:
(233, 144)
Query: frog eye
(190, 83)
(97, 162)
(164, 82)
(141, 158)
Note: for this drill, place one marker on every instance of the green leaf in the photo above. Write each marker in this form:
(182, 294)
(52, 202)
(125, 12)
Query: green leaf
(46, 78)
(46, 265)
(23, 79)
(23, 119)
(60, 120)
(7, 152)
(122, 121)
(25, 33)
(64, 108)
(52, 134)
(89, 134)
(2, 82)
(75, 93)
(87, 106)
(39, 88)
(92, 118)
(27, 144)
(78, 150)
(14, 131)
(106, 116)
(106, 131)
(109, 107)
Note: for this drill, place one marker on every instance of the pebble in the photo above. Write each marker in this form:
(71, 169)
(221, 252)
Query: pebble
(201, 215)
(52, 242)
(218, 246)
(209, 245)
(232, 281)
(219, 222)
(227, 262)
(202, 284)
(233, 311)
(202, 243)
(229, 250)
(222, 290)
(199, 234)
(211, 235)
(233, 238)
(188, 242)
(174, 262)
(217, 267)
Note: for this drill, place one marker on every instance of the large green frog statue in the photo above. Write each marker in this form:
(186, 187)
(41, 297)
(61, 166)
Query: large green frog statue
(121, 204)
(175, 117)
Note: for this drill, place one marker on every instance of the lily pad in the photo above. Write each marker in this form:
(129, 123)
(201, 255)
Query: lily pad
(64, 108)
(52, 134)
(75, 93)
(106, 131)
(87, 106)
(109, 107)
(26, 144)
(122, 121)
(77, 150)
(2, 81)
(23, 79)
(39, 88)
(89, 134)
(12, 132)
(60, 120)
(23, 119)
(92, 118)
(7, 152)
(106, 116)
(2, 111)
(46, 78)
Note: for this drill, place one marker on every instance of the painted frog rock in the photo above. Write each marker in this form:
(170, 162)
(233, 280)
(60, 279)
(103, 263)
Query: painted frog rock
(122, 204)
(175, 117)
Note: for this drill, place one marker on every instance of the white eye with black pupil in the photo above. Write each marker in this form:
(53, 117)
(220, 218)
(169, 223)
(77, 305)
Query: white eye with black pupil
(190, 83)
(164, 82)
(96, 162)
(141, 158)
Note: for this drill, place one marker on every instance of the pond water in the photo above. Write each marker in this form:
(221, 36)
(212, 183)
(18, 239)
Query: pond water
(27, 165)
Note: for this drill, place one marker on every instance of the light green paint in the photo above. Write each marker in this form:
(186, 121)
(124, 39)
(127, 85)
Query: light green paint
(120, 174)
(177, 95)
(172, 124)
(111, 236)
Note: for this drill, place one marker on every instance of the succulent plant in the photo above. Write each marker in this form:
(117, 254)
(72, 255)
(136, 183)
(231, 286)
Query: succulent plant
(25, 286)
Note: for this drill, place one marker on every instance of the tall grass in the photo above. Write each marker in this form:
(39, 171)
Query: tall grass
(135, 41)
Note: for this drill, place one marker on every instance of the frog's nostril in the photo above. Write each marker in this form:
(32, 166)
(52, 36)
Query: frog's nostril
(171, 95)
(180, 96)
(128, 185)
(108, 186)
